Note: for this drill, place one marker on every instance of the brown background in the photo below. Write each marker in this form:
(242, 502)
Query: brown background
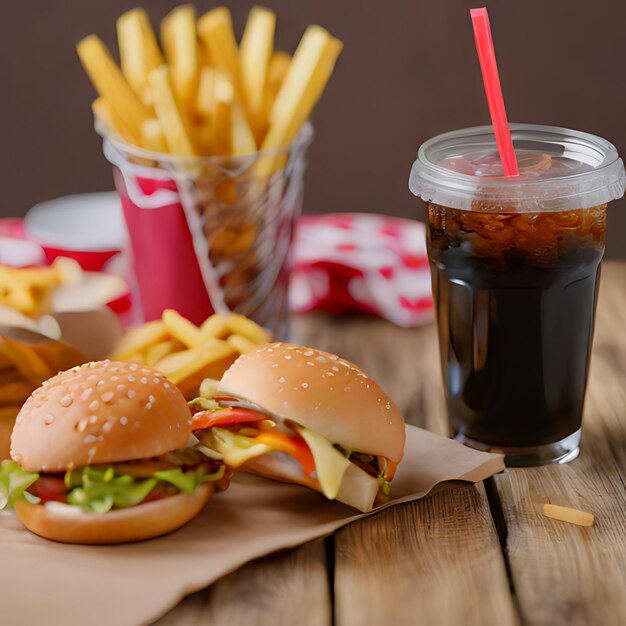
(408, 71)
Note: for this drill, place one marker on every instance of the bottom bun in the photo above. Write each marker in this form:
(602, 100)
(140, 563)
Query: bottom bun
(358, 488)
(144, 521)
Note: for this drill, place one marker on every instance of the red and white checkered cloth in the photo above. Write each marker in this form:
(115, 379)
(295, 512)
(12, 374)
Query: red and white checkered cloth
(362, 262)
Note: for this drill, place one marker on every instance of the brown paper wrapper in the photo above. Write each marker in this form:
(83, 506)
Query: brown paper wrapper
(43, 582)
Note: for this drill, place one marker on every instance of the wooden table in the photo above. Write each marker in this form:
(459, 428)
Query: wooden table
(480, 554)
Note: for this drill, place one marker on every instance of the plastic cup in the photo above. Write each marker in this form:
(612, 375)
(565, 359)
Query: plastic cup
(515, 265)
(209, 235)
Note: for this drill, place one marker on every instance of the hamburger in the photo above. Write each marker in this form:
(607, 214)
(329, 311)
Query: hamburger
(303, 416)
(101, 454)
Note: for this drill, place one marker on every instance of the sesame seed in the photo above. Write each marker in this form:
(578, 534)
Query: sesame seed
(92, 377)
(281, 379)
(288, 357)
(122, 388)
(82, 425)
(304, 385)
(123, 420)
(275, 365)
(131, 379)
(148, 405)
(388, 405)
(107, 397)
(86, 393)
(94, 405)
(107, 426)
(114, 378)
(134, 367)
(93, 419)
(100, 383)
(151, 398)
(90, 439)
(334, 368)
(156, 380)
(308, 353)
(166, 385)
(49, 419)
(144, 381)
(310, 363)
(321, 359)
(329, 373)
(66, 401)
(131, 393)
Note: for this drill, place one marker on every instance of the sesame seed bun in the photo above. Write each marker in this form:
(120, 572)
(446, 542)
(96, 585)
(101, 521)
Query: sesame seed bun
(100, 412)
(136, 523)
(321, 392)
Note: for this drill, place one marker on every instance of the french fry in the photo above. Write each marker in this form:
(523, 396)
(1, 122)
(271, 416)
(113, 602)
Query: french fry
(257, 45)
(29, 364)
(159, 351)
(113, 122)
(152, 136)
(179, 28)
(139, 51)
(15, 392)
(139, 339)
(110, 83)
(182, 329)
(309, 71)
(173, 120)
(216, 32)
(566, 514)
(241, 137)
(190, 361)
(242, 344)
(277, 70)
(215, 326)
(220, 138)
(241, 325)
(206, 93)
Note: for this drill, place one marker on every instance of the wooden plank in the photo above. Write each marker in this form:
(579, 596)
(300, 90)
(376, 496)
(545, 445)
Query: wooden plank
(287, 588)
(565, 574)
(432, 562)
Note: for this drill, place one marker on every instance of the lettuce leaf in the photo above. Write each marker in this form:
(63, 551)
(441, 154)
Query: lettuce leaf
(97, 491)
(188, 481)
(14, 481)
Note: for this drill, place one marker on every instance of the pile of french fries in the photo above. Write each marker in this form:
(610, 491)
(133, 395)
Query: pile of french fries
(28, 290)
(202, 94)
(29, 295)
(25, 362)
(186, 353)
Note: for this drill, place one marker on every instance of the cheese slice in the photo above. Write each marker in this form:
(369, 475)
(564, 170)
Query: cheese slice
(236, 449)
(330, 464)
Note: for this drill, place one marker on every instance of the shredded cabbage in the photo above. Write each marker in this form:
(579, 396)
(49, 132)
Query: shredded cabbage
(14, 481)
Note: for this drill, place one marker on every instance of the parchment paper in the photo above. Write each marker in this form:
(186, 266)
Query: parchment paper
(42, 582)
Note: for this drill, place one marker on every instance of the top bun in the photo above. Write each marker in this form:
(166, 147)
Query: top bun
(101, 412)
(321, 392)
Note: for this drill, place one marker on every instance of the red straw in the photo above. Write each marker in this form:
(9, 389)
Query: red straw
(493, 90)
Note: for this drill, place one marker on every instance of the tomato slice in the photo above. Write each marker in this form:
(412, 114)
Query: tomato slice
(208, 419)
(49, 489)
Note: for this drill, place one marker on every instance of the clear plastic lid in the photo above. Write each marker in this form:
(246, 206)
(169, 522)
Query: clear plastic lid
(560, 169)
